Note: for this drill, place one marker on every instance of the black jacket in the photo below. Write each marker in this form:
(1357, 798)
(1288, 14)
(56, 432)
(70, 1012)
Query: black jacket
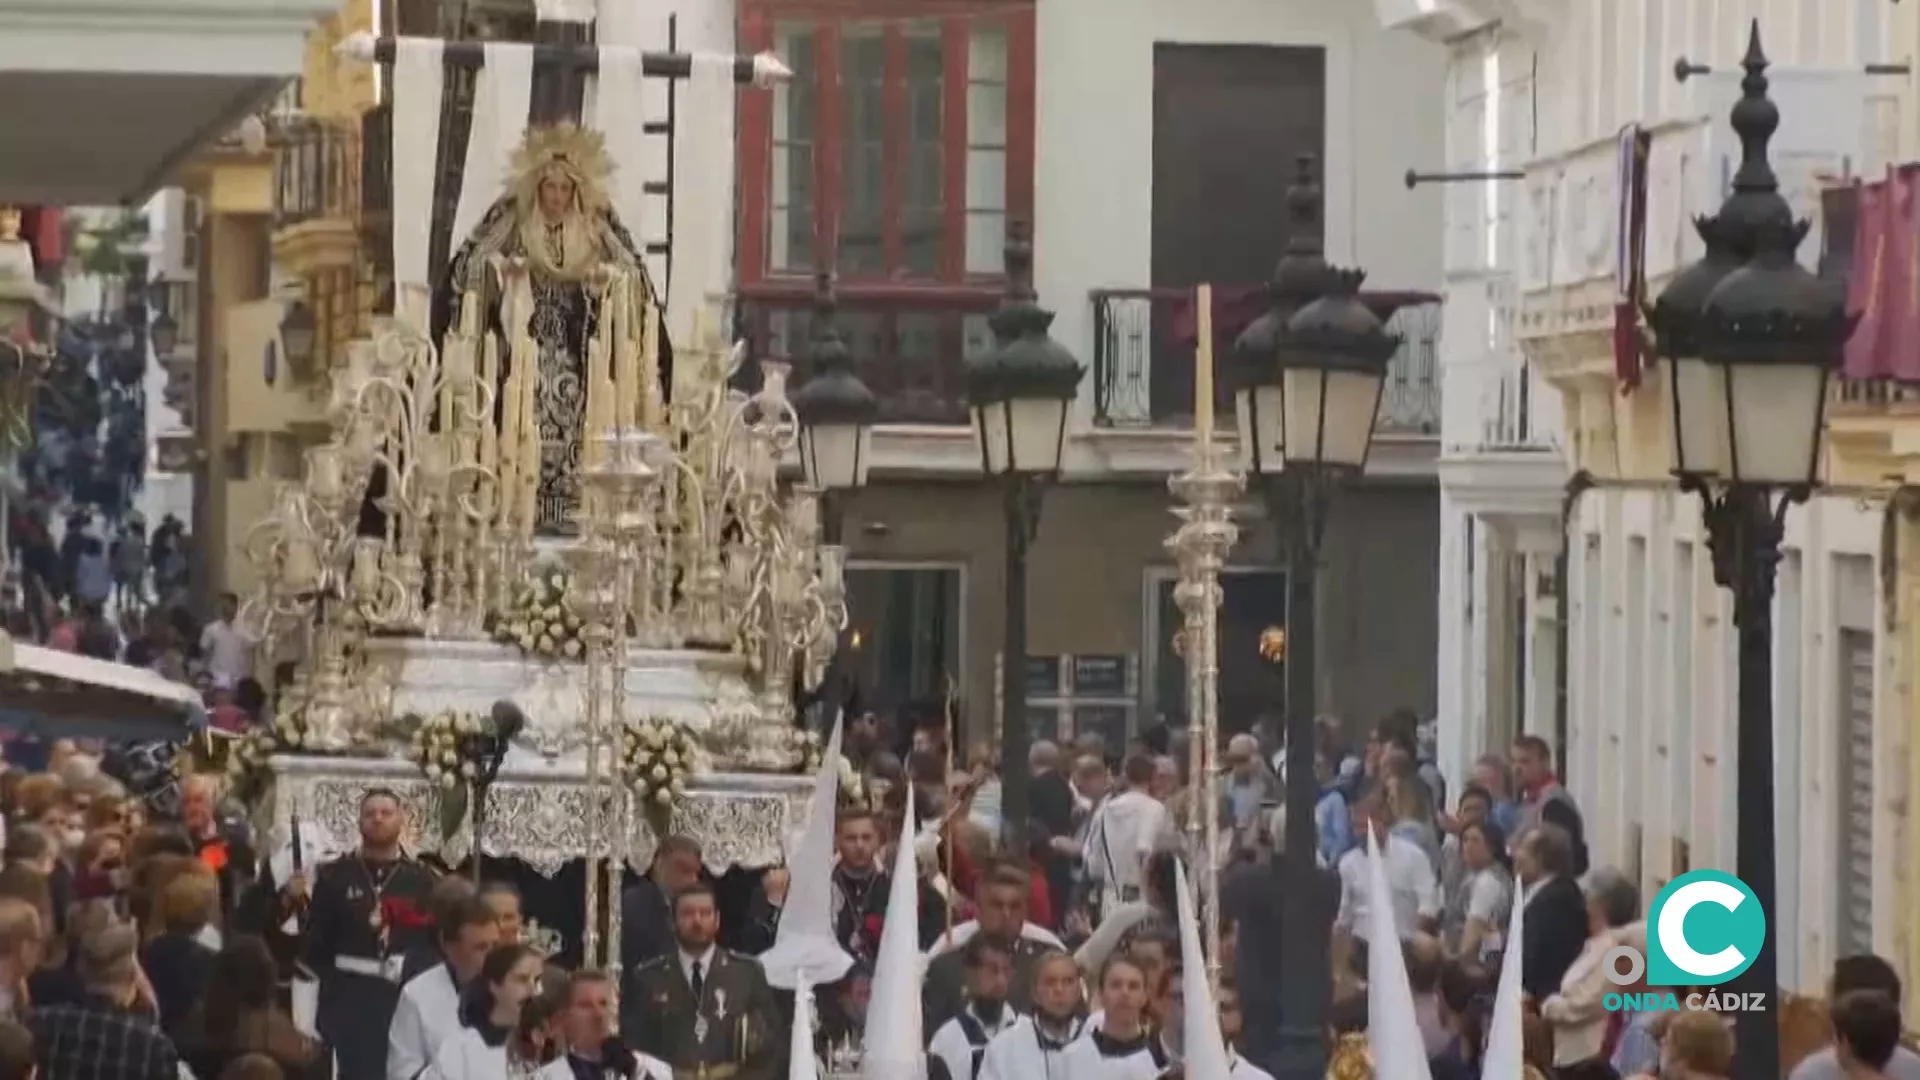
(1555, 932)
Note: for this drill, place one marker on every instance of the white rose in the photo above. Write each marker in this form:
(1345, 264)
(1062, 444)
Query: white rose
(547, 644)
(450, 758)
(553, 613)
(557, 582)
(526, 641)
(659, 773)
(640, 788)
(572, 647)
(663, 796)
(295, 738)
(449, 781)
(538, 627)
(467, 771)
(672, 759)
(433, 773)
(678, 786)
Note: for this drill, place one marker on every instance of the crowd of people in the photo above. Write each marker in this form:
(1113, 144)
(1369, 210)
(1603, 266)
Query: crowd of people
(143, 938)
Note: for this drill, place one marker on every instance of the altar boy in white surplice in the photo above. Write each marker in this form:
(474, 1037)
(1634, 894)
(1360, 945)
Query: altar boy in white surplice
(586, 1029)
(429, 1010)
(1034, 1048)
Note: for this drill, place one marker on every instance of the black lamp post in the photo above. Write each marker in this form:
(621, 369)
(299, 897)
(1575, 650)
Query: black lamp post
(836, 413)
(1311, 370)
(1021, 395)
(1750, 338)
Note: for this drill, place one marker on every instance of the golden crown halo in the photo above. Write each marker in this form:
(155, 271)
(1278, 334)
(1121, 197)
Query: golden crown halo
(579, 152)
(1352, 1060)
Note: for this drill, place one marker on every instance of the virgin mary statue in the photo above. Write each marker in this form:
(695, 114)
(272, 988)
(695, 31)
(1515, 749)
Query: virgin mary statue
(557, 224)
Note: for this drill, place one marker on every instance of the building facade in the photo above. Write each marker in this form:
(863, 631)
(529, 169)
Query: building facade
(1151, 153)
(1575, 575)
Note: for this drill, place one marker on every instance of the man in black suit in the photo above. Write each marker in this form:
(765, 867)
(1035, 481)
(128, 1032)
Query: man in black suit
(1557, 924)
(646, 909)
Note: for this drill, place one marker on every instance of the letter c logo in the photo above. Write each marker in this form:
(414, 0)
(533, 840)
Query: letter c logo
(1739, 923)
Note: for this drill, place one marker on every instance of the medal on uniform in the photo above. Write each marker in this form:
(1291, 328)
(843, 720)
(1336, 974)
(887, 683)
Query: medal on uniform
(375, 922)
(700, 1029)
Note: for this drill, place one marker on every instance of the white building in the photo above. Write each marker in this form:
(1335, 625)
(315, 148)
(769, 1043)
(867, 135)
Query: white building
(1623, 654)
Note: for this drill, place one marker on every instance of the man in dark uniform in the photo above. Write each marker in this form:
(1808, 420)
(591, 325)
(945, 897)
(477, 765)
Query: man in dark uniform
(1003, 914)
(368, 910)
(705, 1011)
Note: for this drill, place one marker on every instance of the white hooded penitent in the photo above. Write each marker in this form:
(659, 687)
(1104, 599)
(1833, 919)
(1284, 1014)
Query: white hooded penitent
(804, 948)
(893, 1046)
(1206, 1048)
(1505, 1056)
(1393, 1028)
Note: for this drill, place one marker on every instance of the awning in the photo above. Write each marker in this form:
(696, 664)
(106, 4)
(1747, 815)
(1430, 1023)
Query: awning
(59, 695)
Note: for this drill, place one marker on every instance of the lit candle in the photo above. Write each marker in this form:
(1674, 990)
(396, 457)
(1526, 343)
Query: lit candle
(625, 366)
(650, 389)
(1203, 369)
(490, 417)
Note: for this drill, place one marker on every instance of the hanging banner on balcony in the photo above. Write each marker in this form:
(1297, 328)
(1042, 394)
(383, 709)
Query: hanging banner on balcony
(1630, 254)
(1882, 274)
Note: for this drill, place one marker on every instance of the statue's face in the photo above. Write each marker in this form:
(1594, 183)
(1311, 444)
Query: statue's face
(556, 195)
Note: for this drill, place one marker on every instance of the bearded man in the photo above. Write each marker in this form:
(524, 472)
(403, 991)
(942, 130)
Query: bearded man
(557, 224)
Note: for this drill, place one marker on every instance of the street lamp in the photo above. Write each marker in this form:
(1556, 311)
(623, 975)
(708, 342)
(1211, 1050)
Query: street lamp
(836, 413)
(1311, 373)
(1750, 346)
(165, 334)
(1021, 394)
(298, 336)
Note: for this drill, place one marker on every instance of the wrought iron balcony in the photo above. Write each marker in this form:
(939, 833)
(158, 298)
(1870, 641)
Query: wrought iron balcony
(910, 343)
(1143, 356)
(1513, 415)
(316, 174)
(1856, 397)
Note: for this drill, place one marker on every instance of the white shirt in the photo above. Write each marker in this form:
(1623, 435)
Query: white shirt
(229, 652)
(1409, 874)
(962, 933)
(705, 959)
(465, 1055)
(1125, 828)
(1082, 1061)
(427, 1015)
(1242, 1069)
(651, 1068)
(1018, 1054)
(951, 1045)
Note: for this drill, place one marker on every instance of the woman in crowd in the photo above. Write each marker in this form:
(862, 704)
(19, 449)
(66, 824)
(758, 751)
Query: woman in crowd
(1117, 1045)
(1476, 915)
(489, 1016)
(179, 959)
(238, 1018)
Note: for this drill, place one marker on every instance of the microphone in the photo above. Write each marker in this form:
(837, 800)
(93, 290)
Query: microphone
(616, 1057)
(508, 720)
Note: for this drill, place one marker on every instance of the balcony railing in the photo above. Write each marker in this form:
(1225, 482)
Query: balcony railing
(910, 343)
(1873, 395)
(1511, 413)
(317, 174)
(1143, 357)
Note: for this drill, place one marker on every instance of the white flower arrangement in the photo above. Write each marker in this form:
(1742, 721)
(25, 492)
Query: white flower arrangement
(853, 788)
(657, 758)
(541, 621)
(439, 748)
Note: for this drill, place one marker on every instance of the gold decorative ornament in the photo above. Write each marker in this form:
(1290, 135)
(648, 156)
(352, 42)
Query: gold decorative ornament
(1351, 1060)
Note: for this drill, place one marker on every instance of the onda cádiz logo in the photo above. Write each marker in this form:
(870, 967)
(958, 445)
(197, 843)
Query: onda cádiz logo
(1704, 929)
